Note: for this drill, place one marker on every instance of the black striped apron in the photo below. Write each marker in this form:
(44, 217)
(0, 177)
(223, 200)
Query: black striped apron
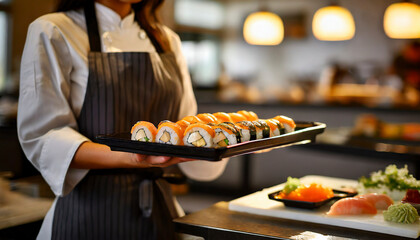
(122, 89)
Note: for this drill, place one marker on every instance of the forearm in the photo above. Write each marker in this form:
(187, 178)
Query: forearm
(96, 156)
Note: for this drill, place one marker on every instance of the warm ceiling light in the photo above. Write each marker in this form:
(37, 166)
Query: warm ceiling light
(402, 20)
(333, 23)
(263, 28)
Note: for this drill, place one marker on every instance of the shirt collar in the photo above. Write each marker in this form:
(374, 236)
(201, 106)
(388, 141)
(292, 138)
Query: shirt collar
(110, 20)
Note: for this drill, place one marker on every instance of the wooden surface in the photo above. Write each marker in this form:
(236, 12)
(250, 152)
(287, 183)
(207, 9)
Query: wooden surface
(17, 209)
(218, 222)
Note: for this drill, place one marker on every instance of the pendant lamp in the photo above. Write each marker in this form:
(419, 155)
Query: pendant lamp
(263, 28)
(333, 23)
(402, 20)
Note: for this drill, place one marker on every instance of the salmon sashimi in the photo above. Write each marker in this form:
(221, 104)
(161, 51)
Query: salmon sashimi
(352, 206)
(380, 201)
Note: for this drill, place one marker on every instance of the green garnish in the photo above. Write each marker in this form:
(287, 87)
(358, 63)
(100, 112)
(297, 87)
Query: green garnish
(401, 213)
(392, 178)
(226, 141)
(146, 139)
(291, 185)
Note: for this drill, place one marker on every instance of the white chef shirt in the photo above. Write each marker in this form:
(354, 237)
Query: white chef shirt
(53, 81)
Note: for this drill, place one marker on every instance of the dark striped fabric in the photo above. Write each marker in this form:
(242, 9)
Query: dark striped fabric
(105, 205)
(122, 89)
(126, 88)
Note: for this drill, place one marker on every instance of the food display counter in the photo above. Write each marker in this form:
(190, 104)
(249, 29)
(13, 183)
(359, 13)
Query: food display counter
(218, 222)
(256, 216)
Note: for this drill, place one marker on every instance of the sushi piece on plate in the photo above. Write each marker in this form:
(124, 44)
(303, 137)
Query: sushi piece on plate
(247, 130)
(192, 119)
(143, 131)
(207, 118)
(225, 135)
(169, 133)
(262, 128)
(222, 117)
(236, 117)
(380, 201)
(199, 135)
(276, 128)
(183, 124)
(250, 116)
(352, 206)
(288, 123)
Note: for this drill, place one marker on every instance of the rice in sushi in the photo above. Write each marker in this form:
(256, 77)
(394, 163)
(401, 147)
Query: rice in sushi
(143, 131)
(288, 123)
(199, 135)
(169, 133)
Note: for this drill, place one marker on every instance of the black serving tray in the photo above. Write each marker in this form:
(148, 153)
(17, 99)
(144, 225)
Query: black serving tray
(338, 194)
(305, 133)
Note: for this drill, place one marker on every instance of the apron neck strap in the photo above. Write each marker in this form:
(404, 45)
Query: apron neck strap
(93, 30)
(92, 26)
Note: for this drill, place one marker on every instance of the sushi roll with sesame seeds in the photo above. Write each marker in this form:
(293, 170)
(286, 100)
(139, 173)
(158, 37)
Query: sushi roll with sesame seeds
(199, 135)
(169, 133)
(143, 131)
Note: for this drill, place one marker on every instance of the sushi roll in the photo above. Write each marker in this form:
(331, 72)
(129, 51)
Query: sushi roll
(143, 131)
(199, 135)
(183, 124)
(222, 117)
(207, 118)
(236, 117)
(225, 135)
(249, 115)
(247, 130)
(276, 127)
(192, 119)
(262, 128)
(169, 133)
(288, 123)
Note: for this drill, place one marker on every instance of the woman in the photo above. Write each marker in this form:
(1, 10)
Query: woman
(96, 68)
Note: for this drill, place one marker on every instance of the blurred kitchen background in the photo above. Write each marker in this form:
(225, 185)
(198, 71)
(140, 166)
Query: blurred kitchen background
(362, 81)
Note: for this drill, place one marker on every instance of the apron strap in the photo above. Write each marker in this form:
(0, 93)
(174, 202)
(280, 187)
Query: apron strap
(92, 26)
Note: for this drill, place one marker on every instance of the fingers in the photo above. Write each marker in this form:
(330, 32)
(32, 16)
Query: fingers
(142, 160)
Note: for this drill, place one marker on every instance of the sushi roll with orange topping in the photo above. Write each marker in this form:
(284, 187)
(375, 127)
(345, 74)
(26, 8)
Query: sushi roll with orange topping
(276, 127)
(199, 135)
(222, 117)
(249, 115)
(236, 117)
(169, 133)
(183, 124)
(262, 128)
(247, 130)
(207, 118)
(288, 123)
(192, 119)
(143, 131)
(225, 135)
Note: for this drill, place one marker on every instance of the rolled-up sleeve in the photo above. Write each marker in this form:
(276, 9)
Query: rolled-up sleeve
(47, 126)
